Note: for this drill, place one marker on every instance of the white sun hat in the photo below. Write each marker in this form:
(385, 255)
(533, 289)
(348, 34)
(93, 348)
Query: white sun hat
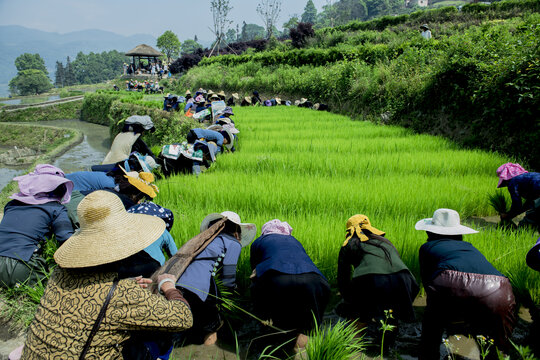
(444, 222)
(247, 230)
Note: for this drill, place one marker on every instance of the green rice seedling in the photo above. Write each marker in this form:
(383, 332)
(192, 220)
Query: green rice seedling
(498, 201)
(316, 169)
(341, 341)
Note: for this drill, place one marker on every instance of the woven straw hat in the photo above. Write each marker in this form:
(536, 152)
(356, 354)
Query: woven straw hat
(221, 93)
(235, 96)
(108, 233)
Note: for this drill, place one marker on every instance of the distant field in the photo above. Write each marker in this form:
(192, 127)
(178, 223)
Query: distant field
(447, 3)
(316, 169)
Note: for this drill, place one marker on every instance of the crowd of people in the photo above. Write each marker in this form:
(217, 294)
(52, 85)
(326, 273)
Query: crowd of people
(198, 105)
(148, 87)
(113, 238)
(153, 68)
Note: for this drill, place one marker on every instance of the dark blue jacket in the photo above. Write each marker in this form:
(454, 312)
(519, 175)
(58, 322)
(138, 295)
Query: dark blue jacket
(446, 254)
(281, 253)
(526, 186)
(25, 226)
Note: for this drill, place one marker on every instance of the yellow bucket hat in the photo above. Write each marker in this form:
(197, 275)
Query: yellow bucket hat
(355, 224)
(142, 181)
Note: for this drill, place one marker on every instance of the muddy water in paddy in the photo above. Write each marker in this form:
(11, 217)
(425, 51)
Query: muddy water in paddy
(90, 151)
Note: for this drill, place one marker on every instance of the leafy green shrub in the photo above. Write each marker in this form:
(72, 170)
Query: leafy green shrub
(171, 127)
(67, 93)
(96, 107)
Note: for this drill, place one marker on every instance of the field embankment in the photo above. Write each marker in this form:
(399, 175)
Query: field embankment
(56, 111)
(475, 81)
(30, 145)
(290, 166)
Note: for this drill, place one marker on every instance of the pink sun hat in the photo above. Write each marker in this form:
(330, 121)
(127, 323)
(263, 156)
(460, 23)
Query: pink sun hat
(276, 227)
(38, 187)
(508, 171)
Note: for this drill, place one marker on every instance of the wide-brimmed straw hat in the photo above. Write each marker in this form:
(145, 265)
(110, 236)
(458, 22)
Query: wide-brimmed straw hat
(142, 181)
(278, 101)
(221, 93)
(444, 222)
(424, 26)
(108, 233)
(235, 96)
(230, 144)
(247, 230)
(247, 99)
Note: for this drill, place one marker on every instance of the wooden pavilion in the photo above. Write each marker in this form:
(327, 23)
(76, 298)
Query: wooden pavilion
(143, 52)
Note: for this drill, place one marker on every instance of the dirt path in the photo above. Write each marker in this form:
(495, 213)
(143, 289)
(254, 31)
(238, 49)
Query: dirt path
(11, 108)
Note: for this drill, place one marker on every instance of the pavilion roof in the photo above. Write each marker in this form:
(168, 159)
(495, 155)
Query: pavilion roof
(143, 50)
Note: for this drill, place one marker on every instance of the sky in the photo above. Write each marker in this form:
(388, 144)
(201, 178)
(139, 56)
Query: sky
(186, 18)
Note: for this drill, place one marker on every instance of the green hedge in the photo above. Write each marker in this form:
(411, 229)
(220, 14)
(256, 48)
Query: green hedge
(171, 127)
(96, 107)
(370, 53)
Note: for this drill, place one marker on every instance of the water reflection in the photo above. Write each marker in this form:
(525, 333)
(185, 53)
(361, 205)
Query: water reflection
(91, 151)
(7, 174)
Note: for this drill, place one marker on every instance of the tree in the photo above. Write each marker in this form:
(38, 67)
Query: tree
(59, 75)
(69, 74)
(28, 61)
(251, 32)
(97, 67)
(220, 11)
(328, 16)
(189, 46)
(269, 12)
(230, 37)
(168, 43)
(310, 13)
(292, 22)
(300, 34)
(30, 82)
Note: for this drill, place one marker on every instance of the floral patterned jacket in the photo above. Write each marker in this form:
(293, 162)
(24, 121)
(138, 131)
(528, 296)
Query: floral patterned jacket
(71, 304)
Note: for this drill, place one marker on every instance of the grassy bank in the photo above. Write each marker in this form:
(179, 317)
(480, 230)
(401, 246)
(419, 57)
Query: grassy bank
(51, 140)
(68, 110)
(315, 170)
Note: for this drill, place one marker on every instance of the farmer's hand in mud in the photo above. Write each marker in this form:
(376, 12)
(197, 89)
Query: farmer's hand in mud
(143, 282)
(168, 284)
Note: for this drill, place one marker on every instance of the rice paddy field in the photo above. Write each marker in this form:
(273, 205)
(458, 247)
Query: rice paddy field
(316, 169)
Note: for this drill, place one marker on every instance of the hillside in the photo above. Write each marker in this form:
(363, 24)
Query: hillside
(475, 82)
(16, 40)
